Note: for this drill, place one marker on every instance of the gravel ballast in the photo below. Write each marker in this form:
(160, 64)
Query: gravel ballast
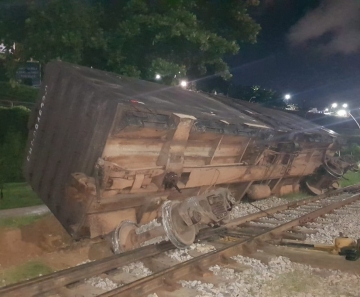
(137, 269)
(280, 278)
(101, 283)
(329, 227)
(245, 208)
(183, 255)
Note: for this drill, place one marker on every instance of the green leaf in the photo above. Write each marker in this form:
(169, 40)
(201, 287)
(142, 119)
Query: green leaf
(132, 37)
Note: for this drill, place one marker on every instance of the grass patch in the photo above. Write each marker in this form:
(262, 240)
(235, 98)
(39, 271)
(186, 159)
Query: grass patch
(304, 282)
(18, 195)
(17, 222)
(22, 272)
(296, 196)
(352, 178)
(293, 283)
(18, 92)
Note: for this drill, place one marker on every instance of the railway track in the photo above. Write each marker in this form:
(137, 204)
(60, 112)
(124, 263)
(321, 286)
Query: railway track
(246, 233)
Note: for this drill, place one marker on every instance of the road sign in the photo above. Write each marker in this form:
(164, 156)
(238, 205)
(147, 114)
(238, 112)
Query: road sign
(29, 73)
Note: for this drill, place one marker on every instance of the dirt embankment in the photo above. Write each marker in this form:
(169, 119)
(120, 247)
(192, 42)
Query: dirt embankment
(45, 240)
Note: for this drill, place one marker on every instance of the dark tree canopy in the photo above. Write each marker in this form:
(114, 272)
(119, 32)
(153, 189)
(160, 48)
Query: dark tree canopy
(256, 94)
(139, 38)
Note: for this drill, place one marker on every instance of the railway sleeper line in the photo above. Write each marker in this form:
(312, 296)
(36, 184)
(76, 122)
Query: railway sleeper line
(245, 240)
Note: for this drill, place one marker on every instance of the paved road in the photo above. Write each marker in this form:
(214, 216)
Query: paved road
(24, 211)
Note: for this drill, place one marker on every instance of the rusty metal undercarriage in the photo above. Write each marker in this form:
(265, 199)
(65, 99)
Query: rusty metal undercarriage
(148, 173)
(180, 221)
(108, 153)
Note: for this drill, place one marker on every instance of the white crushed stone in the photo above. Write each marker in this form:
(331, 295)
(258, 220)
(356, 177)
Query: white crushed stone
(262, 224)
(280, 278)
(137, 269)
(155, 240)
(202, 247)
(244, 208)
(328, 229)
(151, 225)
(278, 218)
(182, 255)
(331, 226)
(296, 211)
(102, 283)
(179, 255)
(286, 217)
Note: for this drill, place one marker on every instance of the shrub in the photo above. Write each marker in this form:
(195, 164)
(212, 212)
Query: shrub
(13, 136)
(353, 149)
(17, 92)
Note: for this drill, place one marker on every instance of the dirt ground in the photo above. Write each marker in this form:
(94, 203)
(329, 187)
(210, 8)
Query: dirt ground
(44, 240)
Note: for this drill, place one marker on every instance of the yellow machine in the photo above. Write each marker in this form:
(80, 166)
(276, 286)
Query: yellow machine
(340, 243)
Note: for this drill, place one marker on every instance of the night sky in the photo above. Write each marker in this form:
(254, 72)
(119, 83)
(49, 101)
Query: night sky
(309, 48)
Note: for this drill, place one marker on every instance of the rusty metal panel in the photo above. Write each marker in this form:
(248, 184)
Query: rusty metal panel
(145, 130)
(71, 124)
(276, 119)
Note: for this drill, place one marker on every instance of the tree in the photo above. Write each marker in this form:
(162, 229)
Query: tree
(256, 94)
(352, 149)
(137, 38)
(62, 29)
(13, 136)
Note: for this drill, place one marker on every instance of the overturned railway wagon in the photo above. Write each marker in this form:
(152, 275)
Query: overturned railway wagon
(107, 152)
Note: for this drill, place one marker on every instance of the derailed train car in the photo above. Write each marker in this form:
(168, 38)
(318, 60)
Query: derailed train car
(107, 153)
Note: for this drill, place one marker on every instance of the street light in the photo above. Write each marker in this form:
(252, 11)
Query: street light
(341, 113)
(345, 105)
(183, 83)
(334, 105)
(157, 76)
(287, 97)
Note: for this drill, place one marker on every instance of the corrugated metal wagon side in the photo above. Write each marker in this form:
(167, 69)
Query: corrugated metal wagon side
(104, 149)
(68, 130)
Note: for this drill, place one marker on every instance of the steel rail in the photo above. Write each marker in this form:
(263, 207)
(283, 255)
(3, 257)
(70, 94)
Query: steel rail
(254, 216)
(167, 276)
(43, 284)
(65, 277)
